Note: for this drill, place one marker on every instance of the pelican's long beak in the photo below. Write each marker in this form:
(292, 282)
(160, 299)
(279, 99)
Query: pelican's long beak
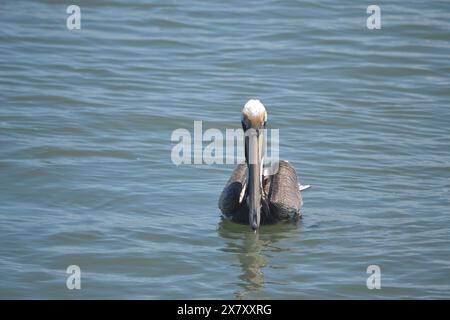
(254, 162)
(253, 123)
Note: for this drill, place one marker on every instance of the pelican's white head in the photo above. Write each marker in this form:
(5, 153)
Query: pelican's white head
(254, 115)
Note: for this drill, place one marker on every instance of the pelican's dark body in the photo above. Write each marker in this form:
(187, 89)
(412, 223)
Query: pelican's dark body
(280, 199)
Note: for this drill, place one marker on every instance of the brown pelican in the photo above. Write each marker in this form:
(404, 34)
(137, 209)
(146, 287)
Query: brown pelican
(252, 197)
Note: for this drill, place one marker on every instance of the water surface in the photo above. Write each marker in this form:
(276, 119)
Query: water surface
(86, 176)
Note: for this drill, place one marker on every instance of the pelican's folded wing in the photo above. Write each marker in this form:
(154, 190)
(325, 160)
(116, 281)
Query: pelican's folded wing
(284, 193)
(233, 194)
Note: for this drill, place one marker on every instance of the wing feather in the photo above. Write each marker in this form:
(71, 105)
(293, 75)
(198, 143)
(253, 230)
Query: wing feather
(284, 193)
(233, 193)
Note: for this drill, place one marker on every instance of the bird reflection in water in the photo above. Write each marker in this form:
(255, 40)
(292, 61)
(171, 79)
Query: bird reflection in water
(254, 250)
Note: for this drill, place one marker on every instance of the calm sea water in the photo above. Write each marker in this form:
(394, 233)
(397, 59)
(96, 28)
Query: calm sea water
(86, 176)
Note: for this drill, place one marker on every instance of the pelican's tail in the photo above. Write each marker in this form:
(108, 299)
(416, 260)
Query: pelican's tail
(303, 187)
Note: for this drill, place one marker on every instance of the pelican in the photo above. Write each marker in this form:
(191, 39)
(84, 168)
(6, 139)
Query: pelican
(251, 196)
